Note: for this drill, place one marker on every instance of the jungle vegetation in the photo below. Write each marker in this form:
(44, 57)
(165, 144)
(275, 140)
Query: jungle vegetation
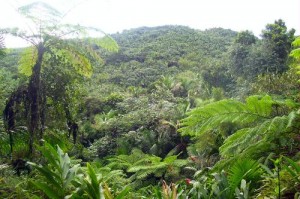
(162, 112)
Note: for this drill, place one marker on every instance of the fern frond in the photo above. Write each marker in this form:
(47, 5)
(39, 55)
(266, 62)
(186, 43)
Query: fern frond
(170, 159)
(246, 137)
(151, 167)
(119, 162)
(180, 163)
(27, 61)
(262, 107)
(126, 161)
(295, 53)
(257, 130)
(106, 43)
(74, 57)
(211, 116)
(296, 42)
(40, 13)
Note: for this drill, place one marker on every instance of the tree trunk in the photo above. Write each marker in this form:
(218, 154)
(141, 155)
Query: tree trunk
(9, 120)
(72, 125)
(34, 93)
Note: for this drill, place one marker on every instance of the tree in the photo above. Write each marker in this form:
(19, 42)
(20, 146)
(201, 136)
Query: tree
(51, 39)
(278, 40)
(1, 45)
(245, 38)
(239, 54)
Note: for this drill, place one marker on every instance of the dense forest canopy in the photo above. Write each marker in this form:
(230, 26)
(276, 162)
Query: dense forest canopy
(151, 112)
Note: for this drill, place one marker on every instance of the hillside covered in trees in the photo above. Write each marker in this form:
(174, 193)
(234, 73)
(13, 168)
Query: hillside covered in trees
(153, 112)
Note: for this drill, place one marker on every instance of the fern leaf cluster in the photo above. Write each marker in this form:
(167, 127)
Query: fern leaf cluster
(209, 117)
(295, 54)
(143, 165)
(259, 129)
(27, 61)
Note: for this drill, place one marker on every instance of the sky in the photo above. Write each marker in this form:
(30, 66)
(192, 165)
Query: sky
(113, 16)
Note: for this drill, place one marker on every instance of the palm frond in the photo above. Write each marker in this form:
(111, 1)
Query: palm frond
(246, 169)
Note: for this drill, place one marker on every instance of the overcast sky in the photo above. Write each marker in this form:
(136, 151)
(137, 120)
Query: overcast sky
(116, 15)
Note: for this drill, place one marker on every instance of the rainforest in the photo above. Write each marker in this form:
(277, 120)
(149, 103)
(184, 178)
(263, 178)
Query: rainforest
(166, 112)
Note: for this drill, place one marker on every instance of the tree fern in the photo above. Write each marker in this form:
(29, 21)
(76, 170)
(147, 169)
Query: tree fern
(273, 131)
(50, 38)
(258, 128)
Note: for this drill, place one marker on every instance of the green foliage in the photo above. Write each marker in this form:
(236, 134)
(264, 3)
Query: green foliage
(209, 117)
(279, 40)
(27, 61)
(18, 140)
(270, 133)
(57, 174)
(53, 44)
(210, 186)
(260, 127)
(92, 186)
(239, 54)
(143, 165)
(245, 38)
(8, 83)
(247, 170)
(294, 168)
(281, 85)
(59, 178)
(243, 192)
(136, 98)
(93, 183)
(277, 181)
(295, 54)
(146, 54)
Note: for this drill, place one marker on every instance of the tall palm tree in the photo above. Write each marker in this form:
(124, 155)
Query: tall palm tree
(50, 38)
